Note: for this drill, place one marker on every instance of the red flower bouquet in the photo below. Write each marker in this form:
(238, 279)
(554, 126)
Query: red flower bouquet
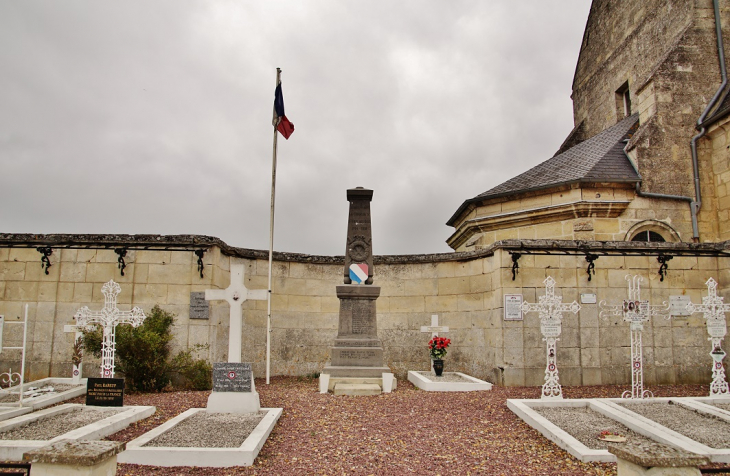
(437, 347)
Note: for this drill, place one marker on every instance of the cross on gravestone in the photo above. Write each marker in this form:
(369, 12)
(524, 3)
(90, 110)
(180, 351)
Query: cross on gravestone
(551, 309)
(635, 311)
(77, 330)
(714, 310)
(235, 294)
(434, 329)
(109, 317)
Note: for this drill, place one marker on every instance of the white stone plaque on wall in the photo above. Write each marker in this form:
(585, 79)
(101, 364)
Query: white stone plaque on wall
(587, 298)
(678, 306)
(513, 307)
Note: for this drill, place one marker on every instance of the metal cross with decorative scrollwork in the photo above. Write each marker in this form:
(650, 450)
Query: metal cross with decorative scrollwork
(109, 317)
(551, 309)
(714, 310)
(635, 311)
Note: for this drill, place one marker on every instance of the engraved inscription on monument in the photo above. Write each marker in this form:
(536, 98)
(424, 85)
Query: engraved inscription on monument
(199, 307)
(232, 377)
(362, 322)
(105, 392)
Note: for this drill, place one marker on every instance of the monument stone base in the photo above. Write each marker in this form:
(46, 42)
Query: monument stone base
(233, 402)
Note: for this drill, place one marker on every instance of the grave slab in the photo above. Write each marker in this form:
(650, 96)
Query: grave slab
(357, 389)
(525, 409)
(77, 458)
(431, 383)
(244, 455)
(12, 450)
(39, 402)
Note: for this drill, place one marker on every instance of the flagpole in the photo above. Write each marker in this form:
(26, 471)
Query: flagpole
(271, 248)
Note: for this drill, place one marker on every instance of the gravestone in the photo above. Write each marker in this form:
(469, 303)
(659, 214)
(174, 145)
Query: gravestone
(234, 390)
(230, 392)
(357, 351)
(551, 308)
(434, 329)
(105, 392)
(109, 317)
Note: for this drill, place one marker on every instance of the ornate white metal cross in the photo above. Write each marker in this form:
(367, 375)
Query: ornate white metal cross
(714, 311)
(235, 294)
(109, 317)
(635, 311)
(551, 309)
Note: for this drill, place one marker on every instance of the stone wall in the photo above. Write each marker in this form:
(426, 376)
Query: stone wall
(465, 289)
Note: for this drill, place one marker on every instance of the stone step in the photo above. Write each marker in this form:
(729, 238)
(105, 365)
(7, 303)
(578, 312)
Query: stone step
(357, 389)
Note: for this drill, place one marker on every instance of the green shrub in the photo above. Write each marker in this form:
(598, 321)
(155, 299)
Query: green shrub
(143, 354)
(195, 374)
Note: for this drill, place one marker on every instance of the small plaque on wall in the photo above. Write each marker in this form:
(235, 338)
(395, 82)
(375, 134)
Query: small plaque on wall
(513, 307)
(587, 298)
(199, 308)
(678, 306)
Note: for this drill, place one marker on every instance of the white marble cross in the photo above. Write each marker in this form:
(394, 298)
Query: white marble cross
(551, 309)
(109, 317)
(635, 311)
(714, 309)
(434, 329)
(236, 294)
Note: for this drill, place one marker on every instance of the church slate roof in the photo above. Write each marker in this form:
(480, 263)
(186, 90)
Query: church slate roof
(598, 159)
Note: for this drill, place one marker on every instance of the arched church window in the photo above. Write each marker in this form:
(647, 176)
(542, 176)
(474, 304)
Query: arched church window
(650, 236)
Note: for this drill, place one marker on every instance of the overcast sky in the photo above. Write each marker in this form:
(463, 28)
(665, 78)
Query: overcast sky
(155, 116)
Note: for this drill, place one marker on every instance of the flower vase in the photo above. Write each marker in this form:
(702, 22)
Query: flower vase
(438, 367)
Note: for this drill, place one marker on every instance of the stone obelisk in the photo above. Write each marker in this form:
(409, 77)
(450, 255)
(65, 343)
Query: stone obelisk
(357, 355)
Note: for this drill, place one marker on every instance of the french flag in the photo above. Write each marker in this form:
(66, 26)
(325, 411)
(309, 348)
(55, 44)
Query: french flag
(280, 121)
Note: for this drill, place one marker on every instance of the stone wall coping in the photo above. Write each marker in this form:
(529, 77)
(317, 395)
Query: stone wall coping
(191, 242)
(75, 452)
(652, 454)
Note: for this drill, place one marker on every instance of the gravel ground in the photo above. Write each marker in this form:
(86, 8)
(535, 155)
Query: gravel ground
(706, 429)
(585, 425)
(445, 377)
(409, 431)
(210, 430)
(723, 406)
(55, 425)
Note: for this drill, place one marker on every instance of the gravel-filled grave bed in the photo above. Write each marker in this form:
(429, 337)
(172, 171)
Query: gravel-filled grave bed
(49, 427)
(722, 406)
(210, 430)
(585, 425)
(701, 427)
(445, 377)
(57, 388)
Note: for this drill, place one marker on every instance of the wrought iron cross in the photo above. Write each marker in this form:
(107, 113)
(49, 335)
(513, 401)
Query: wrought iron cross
(635, 311)
(109, 317)
(551, 309)
(714, 311)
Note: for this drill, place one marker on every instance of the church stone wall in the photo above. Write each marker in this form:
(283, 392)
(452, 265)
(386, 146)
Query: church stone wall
(666, 51)
(466, 291)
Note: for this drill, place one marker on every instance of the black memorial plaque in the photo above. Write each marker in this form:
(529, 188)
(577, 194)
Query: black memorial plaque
(199, 308)
(232, 377)
(105, 392)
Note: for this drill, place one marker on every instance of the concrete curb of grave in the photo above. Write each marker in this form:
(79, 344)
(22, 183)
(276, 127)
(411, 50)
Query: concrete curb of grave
(46, 400)
(12, 450)
(524, 408)
(244, 455)
(433, 385)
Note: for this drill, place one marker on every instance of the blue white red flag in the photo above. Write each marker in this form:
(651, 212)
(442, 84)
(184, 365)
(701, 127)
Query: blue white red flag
(282, 124)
